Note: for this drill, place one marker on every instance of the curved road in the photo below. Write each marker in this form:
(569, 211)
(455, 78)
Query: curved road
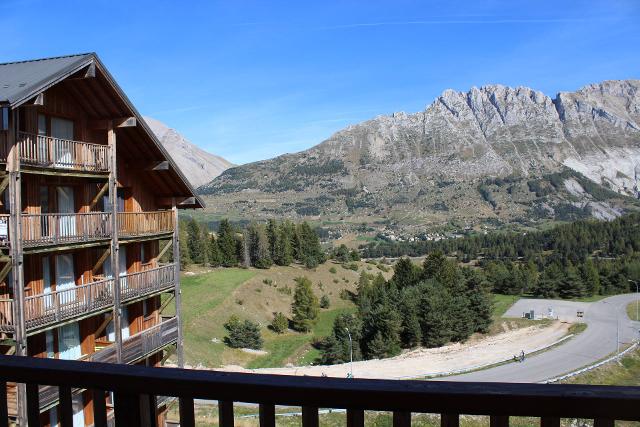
(596, 343)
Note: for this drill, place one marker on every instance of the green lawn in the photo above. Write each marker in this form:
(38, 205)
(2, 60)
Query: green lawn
(627, 372)
(284, 346)
(632, 310)
(202, 294)
(501, 303)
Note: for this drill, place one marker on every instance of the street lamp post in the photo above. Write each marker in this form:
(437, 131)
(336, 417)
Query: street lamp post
(637, 299)
(350, 351)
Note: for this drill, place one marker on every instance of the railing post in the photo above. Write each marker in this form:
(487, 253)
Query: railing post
(267, 415)
(225, 413)
(401, 419)
(355, 418)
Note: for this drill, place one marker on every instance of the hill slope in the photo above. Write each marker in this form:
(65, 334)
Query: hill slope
(490, 153)
(198, 165)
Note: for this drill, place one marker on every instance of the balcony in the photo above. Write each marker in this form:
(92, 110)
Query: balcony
(40, 151)
(134, 348)
(58, 306)
(144, 283)
(56, 229)
(136, 387)
(141, 224)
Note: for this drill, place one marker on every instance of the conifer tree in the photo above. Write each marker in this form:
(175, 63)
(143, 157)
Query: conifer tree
(227, 244)
(305, 306)
(195, 242)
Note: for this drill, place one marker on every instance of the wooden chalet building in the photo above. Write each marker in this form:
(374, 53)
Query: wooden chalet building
(88, 217)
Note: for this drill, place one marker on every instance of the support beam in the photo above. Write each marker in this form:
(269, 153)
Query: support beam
(103, 325)
(125, 122)
(96, 199)
(120, 122)
(88, 73)
(37, 101)
(165, 249)
(4, 184)
(100, 261)
(176, 262)
(166, 202)
(5, 270)
(165, 304)
(167, 354)
(158, 166)
(115, 248)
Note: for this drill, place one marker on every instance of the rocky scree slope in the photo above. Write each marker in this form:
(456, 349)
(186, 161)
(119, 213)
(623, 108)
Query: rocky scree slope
(199, 166)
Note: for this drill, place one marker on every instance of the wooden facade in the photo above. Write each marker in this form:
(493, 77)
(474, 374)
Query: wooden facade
(84, 216)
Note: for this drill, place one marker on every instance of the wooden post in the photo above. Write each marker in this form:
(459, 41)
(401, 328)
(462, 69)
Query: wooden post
(15, 236)
(115, 248)
(176, 262)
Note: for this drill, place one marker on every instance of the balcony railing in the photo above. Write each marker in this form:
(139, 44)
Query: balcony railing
(48, 152)
(140, 284)
(135, 224)
(134, 348)
(136, 387)
(61, 305)
(57, 228)
(6, 316)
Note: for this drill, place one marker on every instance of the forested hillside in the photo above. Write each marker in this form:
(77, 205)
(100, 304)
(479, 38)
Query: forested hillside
(583, 258)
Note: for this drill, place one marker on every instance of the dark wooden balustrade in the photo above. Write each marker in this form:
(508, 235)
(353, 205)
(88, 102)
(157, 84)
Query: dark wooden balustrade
(56, 153)
(56, 228)
(136, 388)
(135, 224)
(148, 282)
(61, 305)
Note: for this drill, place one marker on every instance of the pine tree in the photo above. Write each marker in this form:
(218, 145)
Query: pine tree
(280, 323)
(283, 244)
(195, 242)
(435, 314)
(405, 274)
(571, 285)
(214, 252)
(305, 305)
(258, 241)
(227, 244)
(272, 237)
(185, 256)
(590, 277)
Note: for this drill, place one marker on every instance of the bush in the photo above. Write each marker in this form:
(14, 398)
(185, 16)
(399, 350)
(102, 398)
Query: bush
(324, 302)
(242, 334)
(333, 270)
(280, 323)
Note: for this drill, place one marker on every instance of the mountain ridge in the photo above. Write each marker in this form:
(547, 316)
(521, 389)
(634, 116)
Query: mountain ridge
(494, 131)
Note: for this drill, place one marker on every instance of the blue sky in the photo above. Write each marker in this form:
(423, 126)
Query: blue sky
(253, 79)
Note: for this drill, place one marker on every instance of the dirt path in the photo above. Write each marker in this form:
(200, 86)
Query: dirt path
(424, 362)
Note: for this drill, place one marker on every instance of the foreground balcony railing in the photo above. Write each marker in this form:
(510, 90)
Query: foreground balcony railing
(60, 305)
(57, 153)
(136, 387)
(135, 224)
(143, 283)
(56, 228)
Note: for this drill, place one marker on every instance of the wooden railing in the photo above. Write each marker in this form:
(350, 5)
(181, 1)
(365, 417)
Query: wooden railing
(56, 228)
(6, 316)
(136, 387)
(49, 152)
(44, 309)
(139, 284)
(133, 224)
(134, 348)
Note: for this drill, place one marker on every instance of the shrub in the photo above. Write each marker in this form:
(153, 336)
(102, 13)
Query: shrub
(333, 270)
(324, 302)
(242, 334)
(280, 323)
(304, 306)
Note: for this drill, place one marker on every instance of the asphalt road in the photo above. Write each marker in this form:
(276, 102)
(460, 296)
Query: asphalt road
(597, 342)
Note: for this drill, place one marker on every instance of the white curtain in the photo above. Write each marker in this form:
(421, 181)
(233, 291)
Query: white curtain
(46, 278)
(66, 207)
(69, 342)
(63, 130)
(65, 279)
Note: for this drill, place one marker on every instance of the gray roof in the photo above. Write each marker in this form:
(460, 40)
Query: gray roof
(21, 79)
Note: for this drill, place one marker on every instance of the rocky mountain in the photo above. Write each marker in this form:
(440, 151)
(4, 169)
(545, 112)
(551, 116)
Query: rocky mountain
(199, 166)
(492, 153)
